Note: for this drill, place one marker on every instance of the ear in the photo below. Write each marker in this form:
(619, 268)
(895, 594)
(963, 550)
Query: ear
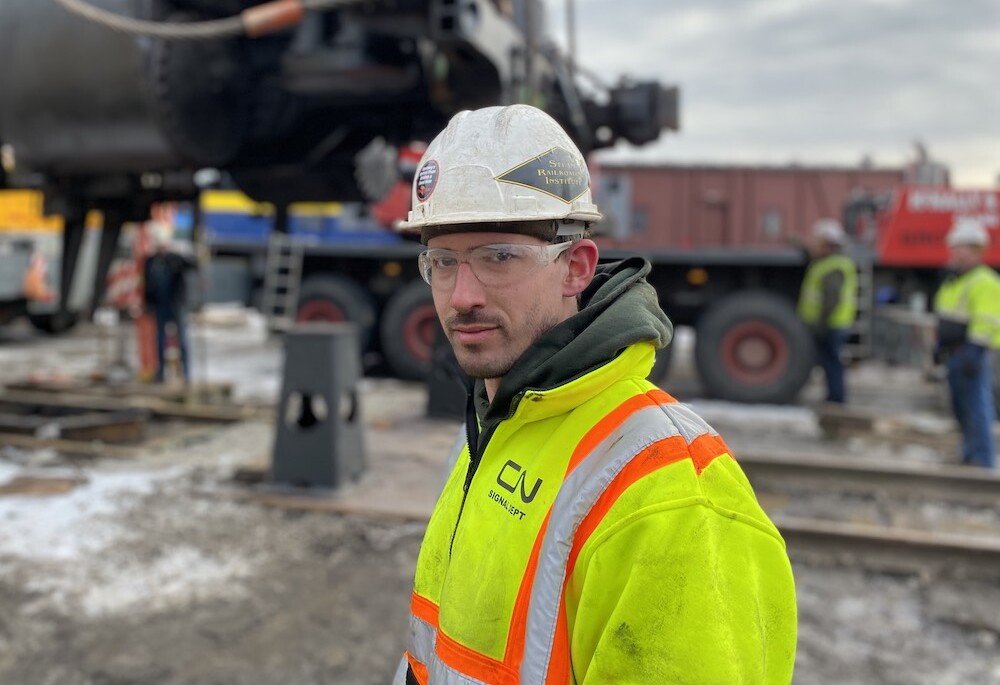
(582, 261)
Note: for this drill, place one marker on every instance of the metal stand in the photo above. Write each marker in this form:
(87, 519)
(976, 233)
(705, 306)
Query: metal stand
(318, 441)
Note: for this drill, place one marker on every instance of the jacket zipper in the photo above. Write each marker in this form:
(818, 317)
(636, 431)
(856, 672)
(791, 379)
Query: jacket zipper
(472, 437)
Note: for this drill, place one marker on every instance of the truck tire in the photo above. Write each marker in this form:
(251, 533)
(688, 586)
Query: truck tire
(54, 324)
(408, 331)
(336, 298)
(752, 347)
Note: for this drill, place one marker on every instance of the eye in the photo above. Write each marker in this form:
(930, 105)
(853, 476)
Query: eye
(500, 254)
(444, 261)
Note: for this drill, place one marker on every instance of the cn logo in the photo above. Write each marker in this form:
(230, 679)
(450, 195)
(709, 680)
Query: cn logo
(511, 471)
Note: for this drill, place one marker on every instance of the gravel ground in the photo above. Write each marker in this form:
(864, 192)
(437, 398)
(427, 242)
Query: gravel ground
(159, 571)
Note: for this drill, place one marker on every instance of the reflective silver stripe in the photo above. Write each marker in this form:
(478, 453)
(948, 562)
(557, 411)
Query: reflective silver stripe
(690, 425)
(441, 674)
(400, 677)
(422, 640)
(577, 496)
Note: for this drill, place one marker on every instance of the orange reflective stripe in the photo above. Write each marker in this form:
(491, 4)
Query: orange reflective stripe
(455, 655)
(516, 634)
(424, 609)
(617, 417)
(661, 397)
(656, 456)
(473, 664)
(419, 670)
(705, 449)
(559, 664)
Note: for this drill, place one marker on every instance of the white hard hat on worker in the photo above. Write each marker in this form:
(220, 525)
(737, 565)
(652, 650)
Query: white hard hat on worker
(967, 231)
(501, 165)
(502, 200)
(829, 231)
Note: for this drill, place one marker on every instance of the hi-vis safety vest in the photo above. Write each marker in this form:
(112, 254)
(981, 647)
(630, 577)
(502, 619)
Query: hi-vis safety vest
(973, 298)
(607, 536)
(811, 294)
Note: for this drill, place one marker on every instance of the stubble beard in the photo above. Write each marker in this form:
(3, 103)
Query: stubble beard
(477, 361)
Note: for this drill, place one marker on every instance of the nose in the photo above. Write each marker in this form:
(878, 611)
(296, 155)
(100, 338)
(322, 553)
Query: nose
(468, 292)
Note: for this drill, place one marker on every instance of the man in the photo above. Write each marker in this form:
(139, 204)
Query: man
(968, 309)
(165, 292)
(828, 302)
(592, 529)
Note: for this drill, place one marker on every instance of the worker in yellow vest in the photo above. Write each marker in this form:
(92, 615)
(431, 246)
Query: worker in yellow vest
(968, 309)
(828, 302)
(592, 528)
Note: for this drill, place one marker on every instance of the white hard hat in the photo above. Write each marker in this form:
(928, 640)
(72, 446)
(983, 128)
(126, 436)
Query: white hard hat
(499, 165)
(967, 231)
(830, 231)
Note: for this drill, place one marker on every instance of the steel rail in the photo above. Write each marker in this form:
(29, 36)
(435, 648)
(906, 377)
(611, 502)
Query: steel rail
(931, 482)
(890, 549)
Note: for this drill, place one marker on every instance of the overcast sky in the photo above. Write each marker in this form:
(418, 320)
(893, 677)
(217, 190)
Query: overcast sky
(814, 82)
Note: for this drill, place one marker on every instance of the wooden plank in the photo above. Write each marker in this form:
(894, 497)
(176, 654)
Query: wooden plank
(70, 447)
(202, 392)
(39, 486)
(25, 424)
(113, 426)
(76, 424)
(158, 407)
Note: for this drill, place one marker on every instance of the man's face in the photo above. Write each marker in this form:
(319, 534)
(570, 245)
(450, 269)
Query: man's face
(965, 257)
(491, 327)
(818, 247)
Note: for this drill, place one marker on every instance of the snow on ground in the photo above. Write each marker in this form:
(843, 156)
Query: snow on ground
(65, 528)
(68, 540)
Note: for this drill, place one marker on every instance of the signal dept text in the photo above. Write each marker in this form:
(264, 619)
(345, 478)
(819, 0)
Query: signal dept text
(503, 502)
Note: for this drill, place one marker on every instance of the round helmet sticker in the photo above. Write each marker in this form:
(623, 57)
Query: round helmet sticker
(427, 178)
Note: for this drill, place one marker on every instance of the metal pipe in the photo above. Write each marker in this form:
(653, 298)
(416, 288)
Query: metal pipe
(571, 37)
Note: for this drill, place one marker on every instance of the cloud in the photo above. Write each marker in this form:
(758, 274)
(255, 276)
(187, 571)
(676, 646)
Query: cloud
(819, 82)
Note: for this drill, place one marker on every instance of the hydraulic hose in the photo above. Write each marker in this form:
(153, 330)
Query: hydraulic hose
(254, 21)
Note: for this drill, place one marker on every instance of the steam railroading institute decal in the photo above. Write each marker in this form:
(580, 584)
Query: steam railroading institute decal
(556, 172)
(427, 179)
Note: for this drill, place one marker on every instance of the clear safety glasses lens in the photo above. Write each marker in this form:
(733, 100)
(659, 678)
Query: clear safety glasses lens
(493, 265)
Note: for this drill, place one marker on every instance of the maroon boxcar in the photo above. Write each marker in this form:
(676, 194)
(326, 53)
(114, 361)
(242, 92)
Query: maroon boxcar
(723, 262)
(746, 207)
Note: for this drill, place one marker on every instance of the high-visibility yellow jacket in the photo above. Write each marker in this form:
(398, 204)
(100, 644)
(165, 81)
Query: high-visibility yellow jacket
(607, 536)
(973, 298)
(843, 310)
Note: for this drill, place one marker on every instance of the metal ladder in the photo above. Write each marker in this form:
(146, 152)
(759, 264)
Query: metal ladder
(282, 280)
(860, 344)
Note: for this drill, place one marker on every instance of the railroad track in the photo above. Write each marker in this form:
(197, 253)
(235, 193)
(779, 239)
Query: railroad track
(898, 485)
(895, 479)
(923, 553)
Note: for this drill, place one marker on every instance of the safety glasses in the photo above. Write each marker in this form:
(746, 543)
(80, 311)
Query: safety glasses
(494, 265)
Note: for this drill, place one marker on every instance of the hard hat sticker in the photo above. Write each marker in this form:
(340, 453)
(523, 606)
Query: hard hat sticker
(556, 172)
(427, 179)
